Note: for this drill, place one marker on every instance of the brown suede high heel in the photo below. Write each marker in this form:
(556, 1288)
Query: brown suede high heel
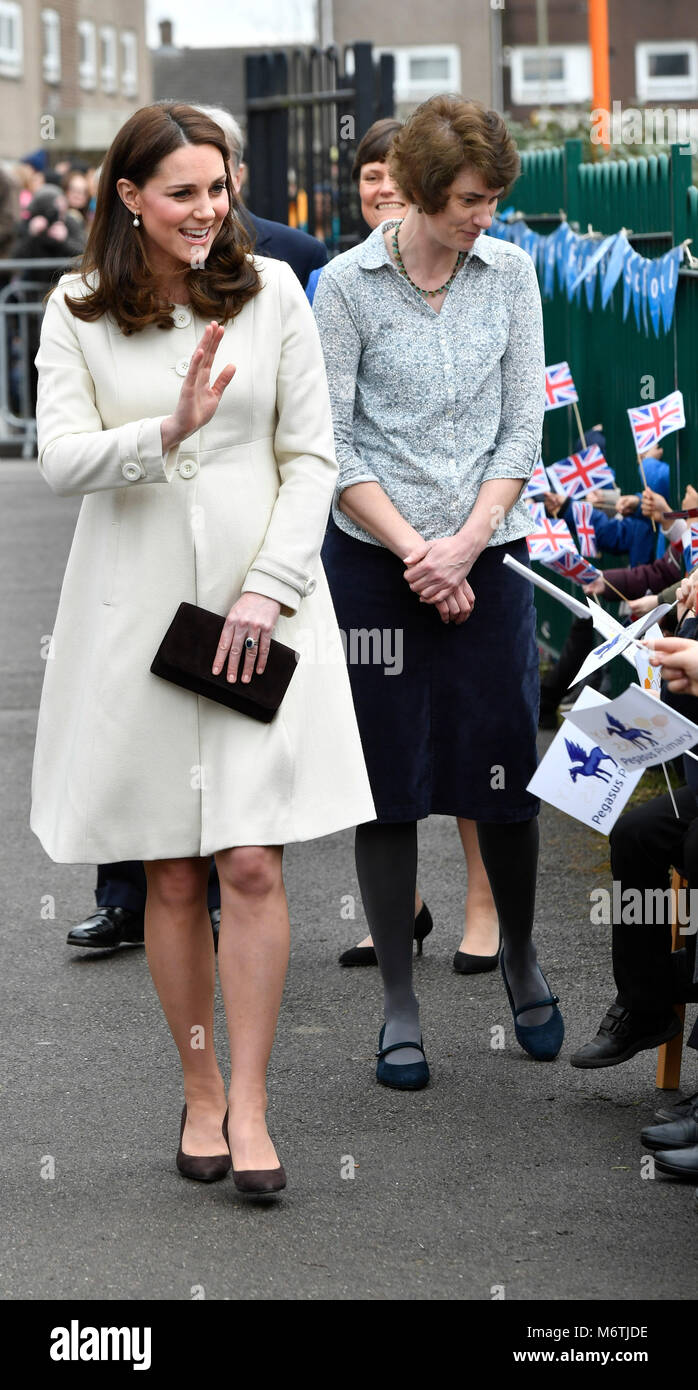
(255, 1182)
(203, 1168)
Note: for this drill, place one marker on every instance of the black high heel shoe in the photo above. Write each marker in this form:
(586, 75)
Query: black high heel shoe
(465, 964)
(202, 1169)
(366, 955)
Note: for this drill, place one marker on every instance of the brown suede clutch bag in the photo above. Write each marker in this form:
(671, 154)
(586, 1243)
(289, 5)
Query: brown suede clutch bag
(185, 657)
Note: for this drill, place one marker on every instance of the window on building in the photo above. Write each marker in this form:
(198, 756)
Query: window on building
(550, 75)
(129, 63)
(51, 35)
(666, 70)
(87, 54)
(10, 40)
(107, 58)
(422, 72)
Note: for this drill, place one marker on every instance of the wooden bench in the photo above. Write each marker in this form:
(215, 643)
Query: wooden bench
(669, 1054)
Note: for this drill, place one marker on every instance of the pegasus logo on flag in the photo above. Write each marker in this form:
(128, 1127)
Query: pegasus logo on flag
(601, 651)
(588, 762)
(627, 732)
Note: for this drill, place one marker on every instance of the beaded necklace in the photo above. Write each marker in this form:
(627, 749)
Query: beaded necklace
(401, 268)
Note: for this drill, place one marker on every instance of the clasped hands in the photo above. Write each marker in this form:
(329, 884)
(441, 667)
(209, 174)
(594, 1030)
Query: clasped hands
(436, 571)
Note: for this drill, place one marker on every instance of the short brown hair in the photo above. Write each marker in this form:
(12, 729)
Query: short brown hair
(444, 135)
(374, 145)
(127, 288)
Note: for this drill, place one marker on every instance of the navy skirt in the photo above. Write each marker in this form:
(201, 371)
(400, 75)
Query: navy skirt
(448, 715)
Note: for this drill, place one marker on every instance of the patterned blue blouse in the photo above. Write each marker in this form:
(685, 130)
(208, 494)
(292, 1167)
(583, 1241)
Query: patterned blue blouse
(431, 405)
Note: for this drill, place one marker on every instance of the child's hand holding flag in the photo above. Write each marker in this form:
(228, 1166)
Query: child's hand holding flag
(678, 658)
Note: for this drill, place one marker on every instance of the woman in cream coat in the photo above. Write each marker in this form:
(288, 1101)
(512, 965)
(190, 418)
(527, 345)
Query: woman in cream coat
(206, 459)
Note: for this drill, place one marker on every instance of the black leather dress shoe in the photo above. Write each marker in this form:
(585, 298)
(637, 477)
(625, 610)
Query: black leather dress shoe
(107, 928)
(666, 1114)
(621, 1035)
(682, 1134)
(678, 1163)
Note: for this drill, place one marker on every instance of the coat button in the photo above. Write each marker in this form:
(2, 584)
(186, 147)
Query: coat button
(182, 367)
(188, 468)
(131, 472)
(310, 586)
(181, 318)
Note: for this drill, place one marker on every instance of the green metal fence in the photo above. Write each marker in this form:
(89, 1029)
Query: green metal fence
(611, 360)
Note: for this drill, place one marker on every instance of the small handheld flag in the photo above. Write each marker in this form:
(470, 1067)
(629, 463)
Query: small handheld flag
(571, 565)
(583, 525)
(690, 547)
(550, 538)
(649, 423)
(559, 386)
(538, 513)
(538, 481)
(582, 472)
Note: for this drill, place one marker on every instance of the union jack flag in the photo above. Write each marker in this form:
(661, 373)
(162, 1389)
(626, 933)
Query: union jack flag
(538, 481)
(549, 538)
(649, 423)
(583, 525)
(559, 386)
(572, 566)
(690, 547)
(581, 472)
(537, 510)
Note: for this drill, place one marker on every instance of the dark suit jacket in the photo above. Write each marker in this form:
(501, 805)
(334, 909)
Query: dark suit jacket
(303, 253)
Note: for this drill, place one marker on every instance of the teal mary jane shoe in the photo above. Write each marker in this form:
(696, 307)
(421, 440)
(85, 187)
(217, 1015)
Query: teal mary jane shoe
(411, 1076)
(544, 1040)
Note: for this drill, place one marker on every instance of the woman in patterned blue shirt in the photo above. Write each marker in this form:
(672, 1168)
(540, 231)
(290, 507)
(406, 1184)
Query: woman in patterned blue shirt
(433, 342)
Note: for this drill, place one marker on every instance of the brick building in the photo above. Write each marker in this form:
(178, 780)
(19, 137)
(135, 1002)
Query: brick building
(70, 74)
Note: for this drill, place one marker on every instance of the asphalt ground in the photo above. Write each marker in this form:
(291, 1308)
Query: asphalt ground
(504, 1178)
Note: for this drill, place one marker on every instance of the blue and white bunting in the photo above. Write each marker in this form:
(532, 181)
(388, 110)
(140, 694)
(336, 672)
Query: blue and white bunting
(577, 263)
(614, 268)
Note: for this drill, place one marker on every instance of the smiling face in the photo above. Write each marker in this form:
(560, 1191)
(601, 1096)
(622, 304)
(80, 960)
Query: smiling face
(380, 196)
(469, 211)
(181, 207)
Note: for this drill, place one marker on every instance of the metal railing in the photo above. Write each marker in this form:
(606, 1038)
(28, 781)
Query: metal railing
(305, 118)
(21, 310)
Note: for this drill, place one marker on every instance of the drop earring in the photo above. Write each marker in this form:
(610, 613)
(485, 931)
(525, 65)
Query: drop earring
(136, 221)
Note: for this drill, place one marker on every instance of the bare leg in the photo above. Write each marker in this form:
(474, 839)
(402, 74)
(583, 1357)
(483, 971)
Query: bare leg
(179, 948)
(253, 948)
(481, 932)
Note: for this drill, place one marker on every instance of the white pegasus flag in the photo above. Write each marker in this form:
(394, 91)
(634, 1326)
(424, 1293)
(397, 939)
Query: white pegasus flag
(636, 729)
(579, 778)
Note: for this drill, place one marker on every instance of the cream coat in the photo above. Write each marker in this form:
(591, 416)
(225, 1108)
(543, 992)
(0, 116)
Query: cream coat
(128, 766)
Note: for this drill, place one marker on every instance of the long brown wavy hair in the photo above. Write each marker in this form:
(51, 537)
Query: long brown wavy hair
(127, 286)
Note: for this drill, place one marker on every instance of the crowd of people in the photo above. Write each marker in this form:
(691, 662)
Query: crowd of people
(45, 211)
(45, 214)
(425, 356)
(654, 838)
